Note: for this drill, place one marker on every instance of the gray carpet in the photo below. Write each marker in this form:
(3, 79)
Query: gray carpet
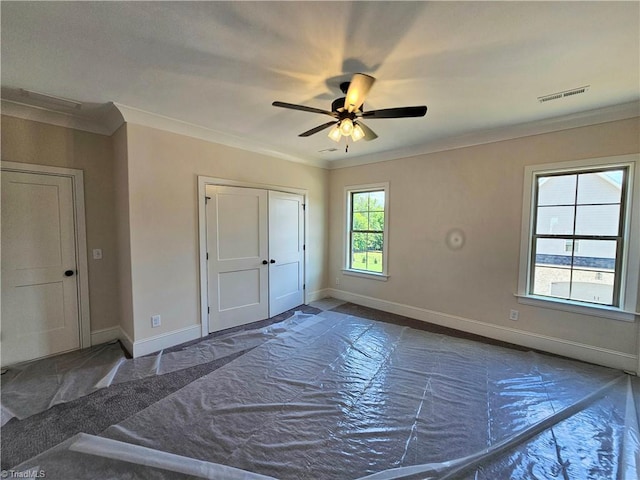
(23, 439)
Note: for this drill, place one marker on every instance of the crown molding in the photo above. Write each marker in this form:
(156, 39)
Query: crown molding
(102, 119)
(105, 119)
(168, 124)
(566, 122)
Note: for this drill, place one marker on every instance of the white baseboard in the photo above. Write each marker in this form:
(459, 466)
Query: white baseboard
(126, 341)
(559, 346)
(105, 335)
(165, 340)
(317, 295)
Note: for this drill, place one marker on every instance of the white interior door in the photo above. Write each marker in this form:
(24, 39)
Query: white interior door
(237, 251)
(39, 281)
(286, 252)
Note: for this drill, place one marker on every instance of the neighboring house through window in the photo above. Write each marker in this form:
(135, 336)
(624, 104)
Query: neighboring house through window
(581, 244)
(367, 217)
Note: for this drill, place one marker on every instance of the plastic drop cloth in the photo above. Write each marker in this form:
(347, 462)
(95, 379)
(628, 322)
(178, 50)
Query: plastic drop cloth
(340, 397)
(34, 387)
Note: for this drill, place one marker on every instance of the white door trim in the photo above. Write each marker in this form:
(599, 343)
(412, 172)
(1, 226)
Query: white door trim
(203, 181)
(77, 181)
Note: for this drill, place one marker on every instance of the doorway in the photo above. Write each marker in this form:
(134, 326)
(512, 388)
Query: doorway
(253, 247)
(45, 308)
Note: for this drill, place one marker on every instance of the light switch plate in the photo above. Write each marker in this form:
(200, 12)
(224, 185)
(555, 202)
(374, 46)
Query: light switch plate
(97, 254)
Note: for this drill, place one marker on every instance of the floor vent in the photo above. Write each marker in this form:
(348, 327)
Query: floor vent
(566, 93)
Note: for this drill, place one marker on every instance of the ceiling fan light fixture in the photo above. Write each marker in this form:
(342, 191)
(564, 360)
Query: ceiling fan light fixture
(346, 119)
(335, 134)
(346, 127)
(358, 133)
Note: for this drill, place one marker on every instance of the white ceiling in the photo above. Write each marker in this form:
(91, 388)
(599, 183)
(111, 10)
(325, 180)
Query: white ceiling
(217, 66)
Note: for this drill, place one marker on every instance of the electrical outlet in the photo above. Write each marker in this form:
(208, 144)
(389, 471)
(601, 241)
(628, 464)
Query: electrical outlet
(155, 321)
(337, 280)
(513, 315)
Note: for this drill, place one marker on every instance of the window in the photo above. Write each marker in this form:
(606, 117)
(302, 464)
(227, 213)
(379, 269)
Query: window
(367, 208)
(572, 246)
(581, 248)
(579, 209)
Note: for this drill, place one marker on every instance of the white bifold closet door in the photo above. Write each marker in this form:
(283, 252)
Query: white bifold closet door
(286, 252)
(255, 254)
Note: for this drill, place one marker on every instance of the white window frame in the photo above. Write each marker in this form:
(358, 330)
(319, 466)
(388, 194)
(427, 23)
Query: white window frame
(630, 265)
(347, 270)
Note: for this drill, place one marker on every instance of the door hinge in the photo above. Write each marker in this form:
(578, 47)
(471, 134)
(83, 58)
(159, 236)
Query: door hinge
(304, 206)
(206, 199)
(304, 286)
(207, 255)
(304, 247)
(208, 310)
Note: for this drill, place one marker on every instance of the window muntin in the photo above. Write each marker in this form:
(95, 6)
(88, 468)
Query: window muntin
(578, 228)
(366, 240)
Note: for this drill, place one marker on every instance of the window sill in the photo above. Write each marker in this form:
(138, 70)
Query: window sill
(604, 311)
(359, 273)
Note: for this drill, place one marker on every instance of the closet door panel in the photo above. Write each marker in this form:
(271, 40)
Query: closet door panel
(286, 251)
(237, 248)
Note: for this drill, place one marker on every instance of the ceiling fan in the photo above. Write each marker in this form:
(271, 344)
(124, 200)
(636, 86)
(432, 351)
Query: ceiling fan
(348, 111)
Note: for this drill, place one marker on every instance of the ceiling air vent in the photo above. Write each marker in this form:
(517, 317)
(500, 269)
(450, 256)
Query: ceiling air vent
(46, 99)
(566, 93)
(328, 150)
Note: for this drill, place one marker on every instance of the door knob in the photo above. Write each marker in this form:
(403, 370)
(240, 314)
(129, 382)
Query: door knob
(272, 261)
(264, 262)
(68, 273)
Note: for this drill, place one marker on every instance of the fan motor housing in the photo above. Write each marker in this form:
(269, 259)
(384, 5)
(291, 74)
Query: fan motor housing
(338, 104)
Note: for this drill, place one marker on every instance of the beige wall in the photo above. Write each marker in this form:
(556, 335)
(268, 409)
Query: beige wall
(123, 231)
(479, 190)
(163, 207)
(141, 205)
(26, 141)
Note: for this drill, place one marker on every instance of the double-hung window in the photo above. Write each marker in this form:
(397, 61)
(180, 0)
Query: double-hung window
(581, 246)
(367, 220)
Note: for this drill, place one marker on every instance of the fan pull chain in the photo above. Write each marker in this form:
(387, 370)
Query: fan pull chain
(346, 149)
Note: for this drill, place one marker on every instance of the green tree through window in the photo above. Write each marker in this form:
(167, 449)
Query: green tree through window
(367, 231)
